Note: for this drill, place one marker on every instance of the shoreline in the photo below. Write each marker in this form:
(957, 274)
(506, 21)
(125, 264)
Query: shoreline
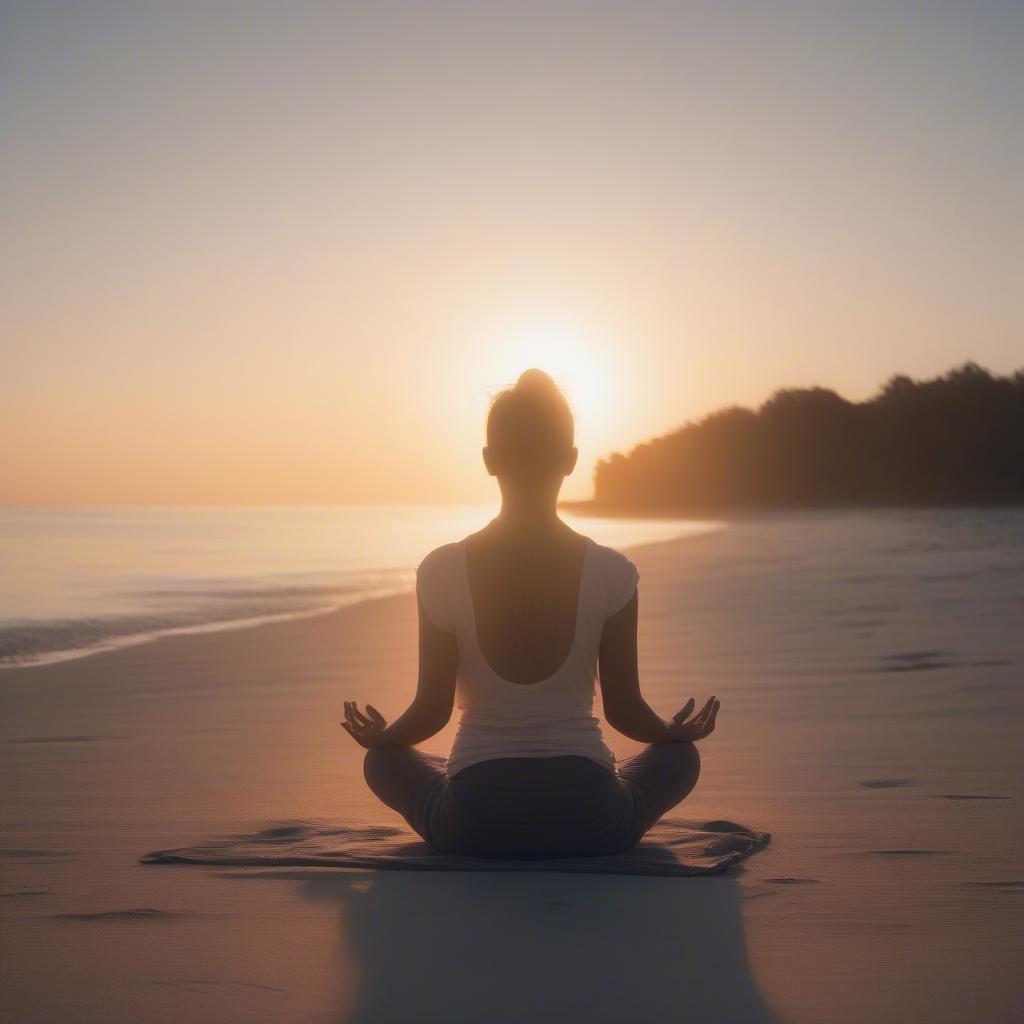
(118, 641)
(729, 513)
(138, 639)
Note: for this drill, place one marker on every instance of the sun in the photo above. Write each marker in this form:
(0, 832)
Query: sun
(574, 359)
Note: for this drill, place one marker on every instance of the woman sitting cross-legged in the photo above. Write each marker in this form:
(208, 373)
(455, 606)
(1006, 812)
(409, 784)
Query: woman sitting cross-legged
(516, 622)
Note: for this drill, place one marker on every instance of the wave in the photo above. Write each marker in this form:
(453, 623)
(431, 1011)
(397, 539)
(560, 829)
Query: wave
(35, 642)
(79, 581)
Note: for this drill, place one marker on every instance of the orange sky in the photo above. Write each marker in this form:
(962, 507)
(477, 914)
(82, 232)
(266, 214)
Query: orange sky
(279, 253)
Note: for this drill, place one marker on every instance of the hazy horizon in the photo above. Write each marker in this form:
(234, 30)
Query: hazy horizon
(269, 254)
(673, 511)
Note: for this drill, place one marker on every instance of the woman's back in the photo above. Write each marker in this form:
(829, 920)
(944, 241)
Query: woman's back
(527, 616)
(525, 596)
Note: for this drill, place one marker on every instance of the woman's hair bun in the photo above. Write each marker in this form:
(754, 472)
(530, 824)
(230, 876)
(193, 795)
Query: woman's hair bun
(535, 381)
(531, 423)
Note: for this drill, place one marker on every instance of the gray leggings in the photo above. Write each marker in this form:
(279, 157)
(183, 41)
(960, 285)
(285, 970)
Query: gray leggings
(528, 808)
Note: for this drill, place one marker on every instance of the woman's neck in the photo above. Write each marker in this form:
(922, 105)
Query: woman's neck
(525, 518)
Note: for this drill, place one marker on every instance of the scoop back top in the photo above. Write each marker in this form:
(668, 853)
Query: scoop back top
(549, 718)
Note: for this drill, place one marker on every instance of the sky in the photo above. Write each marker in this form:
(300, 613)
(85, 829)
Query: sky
(286, 252)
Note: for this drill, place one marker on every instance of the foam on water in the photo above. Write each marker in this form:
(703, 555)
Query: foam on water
(77, 581)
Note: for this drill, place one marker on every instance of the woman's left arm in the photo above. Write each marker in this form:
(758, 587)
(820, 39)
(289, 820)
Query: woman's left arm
(430, 709)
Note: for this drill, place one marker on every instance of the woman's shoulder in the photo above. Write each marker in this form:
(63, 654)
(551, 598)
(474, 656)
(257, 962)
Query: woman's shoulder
(610, 558)
(441, 559)
(437, 585)
(616, 576)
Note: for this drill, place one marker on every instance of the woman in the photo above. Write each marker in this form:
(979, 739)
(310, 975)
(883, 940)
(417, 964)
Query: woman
(516, 621)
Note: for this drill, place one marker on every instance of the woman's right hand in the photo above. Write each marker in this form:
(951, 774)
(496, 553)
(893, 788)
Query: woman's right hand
(366, 730)
(702, 724)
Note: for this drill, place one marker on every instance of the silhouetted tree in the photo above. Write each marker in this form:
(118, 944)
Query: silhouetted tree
(956, 439)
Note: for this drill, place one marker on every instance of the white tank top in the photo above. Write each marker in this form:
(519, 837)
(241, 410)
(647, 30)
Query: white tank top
(552, 717)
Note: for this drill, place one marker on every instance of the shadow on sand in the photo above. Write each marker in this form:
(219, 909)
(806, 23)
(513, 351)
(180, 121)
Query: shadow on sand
(466, 947)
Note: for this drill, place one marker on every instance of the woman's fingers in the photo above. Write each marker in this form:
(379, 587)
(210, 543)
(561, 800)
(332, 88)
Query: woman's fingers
(353, 717)
(707, 725)
(702, 724)
(358, 725)
(714, 716)
(351, 733)
(684, 713)
(698, 719)
(358, 716)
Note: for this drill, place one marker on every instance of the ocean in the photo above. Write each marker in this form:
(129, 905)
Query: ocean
(74, 581)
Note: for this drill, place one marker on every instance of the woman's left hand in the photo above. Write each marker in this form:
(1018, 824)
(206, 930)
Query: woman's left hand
(366, 730)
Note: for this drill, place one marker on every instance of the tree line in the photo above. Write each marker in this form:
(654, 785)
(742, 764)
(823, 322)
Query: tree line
(955, 439)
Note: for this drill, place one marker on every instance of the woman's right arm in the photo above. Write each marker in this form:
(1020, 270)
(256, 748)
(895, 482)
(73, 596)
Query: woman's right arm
(624, 706)
(432, 706)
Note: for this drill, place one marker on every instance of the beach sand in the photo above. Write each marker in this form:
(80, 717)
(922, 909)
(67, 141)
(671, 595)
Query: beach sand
(870, 670)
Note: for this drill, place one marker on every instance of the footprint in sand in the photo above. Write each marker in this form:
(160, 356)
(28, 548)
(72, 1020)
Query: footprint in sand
(917, 661)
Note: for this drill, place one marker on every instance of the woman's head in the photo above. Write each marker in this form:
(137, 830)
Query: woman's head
(530, 430)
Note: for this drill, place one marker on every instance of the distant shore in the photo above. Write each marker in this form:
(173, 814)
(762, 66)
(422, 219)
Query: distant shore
(956, 440)
(589, 507)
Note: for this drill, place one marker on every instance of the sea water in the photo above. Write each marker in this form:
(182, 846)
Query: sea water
(77, 580)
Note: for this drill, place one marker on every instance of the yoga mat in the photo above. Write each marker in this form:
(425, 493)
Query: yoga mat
(674, 847)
